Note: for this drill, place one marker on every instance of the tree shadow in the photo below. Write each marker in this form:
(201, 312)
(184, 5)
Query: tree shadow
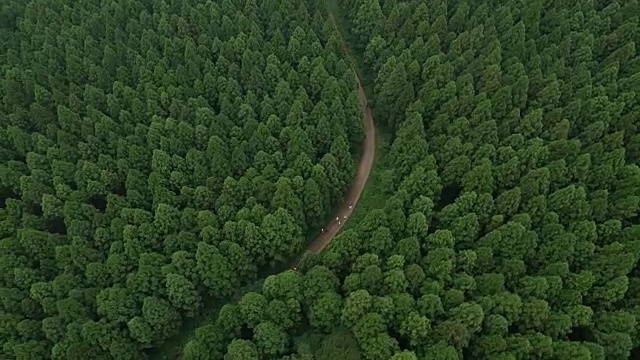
(5, 194)
(448, 196)
(99, 202)
(56, 225)
(581, 333)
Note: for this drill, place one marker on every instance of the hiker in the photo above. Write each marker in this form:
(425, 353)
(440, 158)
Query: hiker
(350, 206)
(322, 230)
(338, 218)
(344, 217)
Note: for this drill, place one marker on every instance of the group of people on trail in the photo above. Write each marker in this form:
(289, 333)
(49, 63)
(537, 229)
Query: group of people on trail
(344, 217)
(340, 221)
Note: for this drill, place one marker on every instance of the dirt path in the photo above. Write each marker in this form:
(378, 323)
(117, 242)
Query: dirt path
(364, 167)
(362, 174)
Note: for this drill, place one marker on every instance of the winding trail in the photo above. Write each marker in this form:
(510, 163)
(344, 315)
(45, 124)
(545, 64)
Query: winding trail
(364, 166)
(362, 175)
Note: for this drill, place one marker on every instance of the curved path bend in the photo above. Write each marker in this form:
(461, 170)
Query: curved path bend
(362, 174)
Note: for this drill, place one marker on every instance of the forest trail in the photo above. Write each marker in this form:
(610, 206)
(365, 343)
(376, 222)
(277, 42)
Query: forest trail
(362, 175)
(364, 166)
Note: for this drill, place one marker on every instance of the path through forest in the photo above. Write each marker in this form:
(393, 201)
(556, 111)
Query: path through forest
(364, 166)
(362, 174)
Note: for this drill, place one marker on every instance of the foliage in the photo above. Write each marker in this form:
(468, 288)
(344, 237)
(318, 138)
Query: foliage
(512, 229)
(158, 154)
(155, 156)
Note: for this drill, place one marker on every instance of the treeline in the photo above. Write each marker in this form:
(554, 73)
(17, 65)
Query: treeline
(155, 155)
(511, 229)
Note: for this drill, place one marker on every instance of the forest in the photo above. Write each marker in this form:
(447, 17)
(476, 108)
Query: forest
(162, 162)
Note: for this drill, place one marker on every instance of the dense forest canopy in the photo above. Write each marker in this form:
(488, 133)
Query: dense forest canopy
(157, 154)
(511, 228)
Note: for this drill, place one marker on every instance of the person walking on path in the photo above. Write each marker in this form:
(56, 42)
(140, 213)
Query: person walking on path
(364, 165)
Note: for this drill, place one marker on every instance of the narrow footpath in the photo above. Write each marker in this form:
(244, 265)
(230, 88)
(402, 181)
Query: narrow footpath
(364, 167)
(362, 175)
(357, 185)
